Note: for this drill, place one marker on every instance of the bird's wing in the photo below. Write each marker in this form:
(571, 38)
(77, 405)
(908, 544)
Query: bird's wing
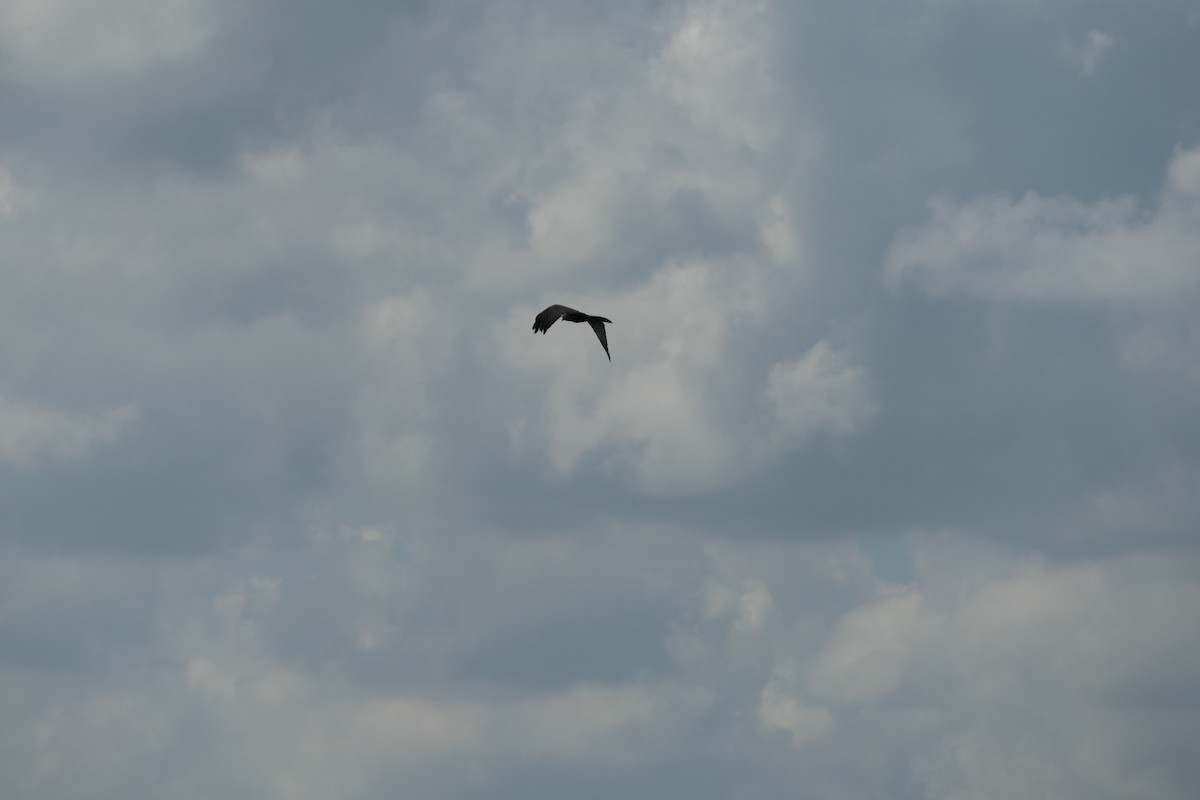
(543, 321)
(598, 327)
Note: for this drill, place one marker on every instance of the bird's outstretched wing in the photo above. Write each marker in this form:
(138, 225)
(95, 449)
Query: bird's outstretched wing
(543, 321)
(597, 324)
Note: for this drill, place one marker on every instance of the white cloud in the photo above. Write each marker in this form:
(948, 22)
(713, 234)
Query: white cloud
(1058, 249)
(777, 709)
(947, 673)
(717, 69)
(1003, 626)
(672, 417)
(821, 393)
(1087, 56)
(752, 604)
(661, 416)
(871, 649)
(941, 675)
(403, 348)
(12, 198)
(225, 686)
(32, 435)
(1183, 178)
(686, 127)
(77, 42)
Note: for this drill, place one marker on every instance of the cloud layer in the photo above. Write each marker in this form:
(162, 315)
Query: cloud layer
(890, 487)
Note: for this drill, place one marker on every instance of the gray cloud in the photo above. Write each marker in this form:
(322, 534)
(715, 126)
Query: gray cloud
(888, 490)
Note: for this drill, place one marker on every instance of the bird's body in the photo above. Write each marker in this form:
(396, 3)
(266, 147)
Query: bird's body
(544, 320)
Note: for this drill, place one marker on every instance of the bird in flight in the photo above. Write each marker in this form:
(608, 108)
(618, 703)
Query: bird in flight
(544, 320)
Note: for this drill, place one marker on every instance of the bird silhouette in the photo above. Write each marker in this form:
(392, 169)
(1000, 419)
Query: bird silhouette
(544, 320)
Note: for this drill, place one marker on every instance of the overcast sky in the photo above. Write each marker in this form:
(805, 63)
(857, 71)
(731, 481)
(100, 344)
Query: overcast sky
(891, 489)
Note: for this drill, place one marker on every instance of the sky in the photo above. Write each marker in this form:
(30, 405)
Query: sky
(890, 489)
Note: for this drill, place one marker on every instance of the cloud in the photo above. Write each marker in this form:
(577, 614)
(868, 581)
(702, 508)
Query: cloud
(878, 497)
(67, 43)
(1087, 56)
(805, 724)
(821, 392)
(671, 417)
(753, 603)
(942, 674)
(868, 653)
(982, 651)
(656, 416)
(1057, 249)
(33, 436)
(11, 197)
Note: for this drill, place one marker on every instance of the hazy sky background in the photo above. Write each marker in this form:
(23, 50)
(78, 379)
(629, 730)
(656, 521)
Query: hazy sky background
(891, 489)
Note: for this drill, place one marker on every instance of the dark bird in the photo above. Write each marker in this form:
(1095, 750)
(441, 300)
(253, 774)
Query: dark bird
(544, 320)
